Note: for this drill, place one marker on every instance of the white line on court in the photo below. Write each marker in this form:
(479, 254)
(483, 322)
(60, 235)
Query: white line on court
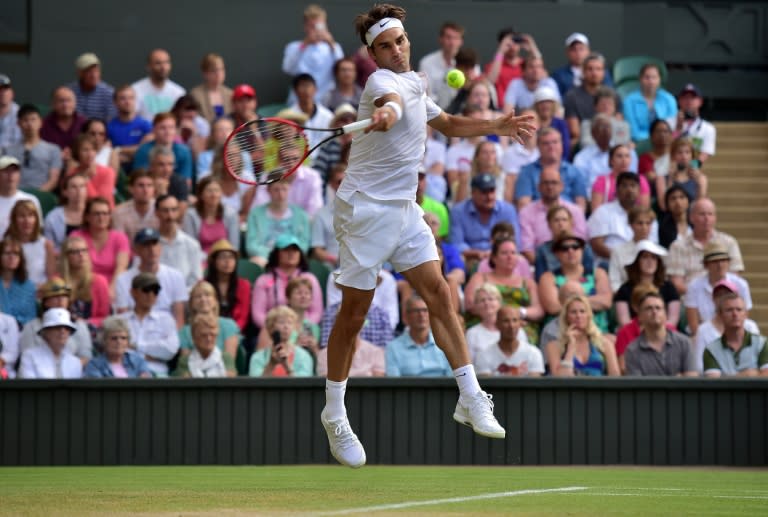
(432, 502)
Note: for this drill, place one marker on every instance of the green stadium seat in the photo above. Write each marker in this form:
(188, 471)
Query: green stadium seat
(241, 361)
(270, 110)
(627, 87)
(628, 68)
(321, 270)
(48, 200)
(248, 270)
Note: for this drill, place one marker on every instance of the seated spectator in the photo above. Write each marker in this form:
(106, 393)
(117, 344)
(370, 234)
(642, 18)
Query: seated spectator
(101, 180)
(515, 290)
(17, 292)
(52, 359)
(206, 359)
(210, 220)
(646, 267)
(9, 344)
(385, 295)
(40, 161)
(737, 353)
(179, 250)
(433, 206)
(213, 96)
(414, 353)
(658, 351)
(165, 133)
(192, 128)
(712, 330)
(25, 227)
(648, 103)
(534, 225)
(154, 333)
(91, 297)
(57, 294)
(220, 130)
(452, 265)
(690, 124)
(324, 246)
(551, 155)
(266, 222)
(655, 162)
(286, 261)
(298, 294)
(509, 356)
(9, 130)
(202, 300)
(117, 360)
(580, 101)
(609, 224)
(627, 333)
(377, 328)
(127, 131)
(368, 360)
(620, 158)
(459, 155)
(93, 96)
(69, 216)
(683, 171)
(161, 165)
(485, 161)
(569, 250)
(232, 190)
(477, 91)
(138, 212)
(516, 156)
(105, 154)
(641, 221)
(305, 90)
(9, 190)
(581, 349)
(485, 333)
(346, 89)
(283, 358)
(546, 103)
(244, 104)
(172, 297)
(521, 92)
(674, 222)
(62, 125)
(156, 93)
(233, 293)
(571, 74)
(686, 253)
(559, 222)
(606, 104)
(336, 151)
(698, 300)
(109, 249)
(551, 330)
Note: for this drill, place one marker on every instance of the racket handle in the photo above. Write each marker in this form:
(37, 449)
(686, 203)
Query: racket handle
(356, 126)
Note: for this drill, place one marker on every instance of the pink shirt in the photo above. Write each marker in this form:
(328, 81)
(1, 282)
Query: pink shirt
(534, 230)
(210, 233)
(101, 184)
(607, 185)
(104, 261)
(269, 292)
(118, 370)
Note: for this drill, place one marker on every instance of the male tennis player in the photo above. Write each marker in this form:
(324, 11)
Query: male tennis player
(377, 219)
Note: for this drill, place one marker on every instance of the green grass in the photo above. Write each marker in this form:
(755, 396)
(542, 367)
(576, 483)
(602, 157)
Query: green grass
(312, 490)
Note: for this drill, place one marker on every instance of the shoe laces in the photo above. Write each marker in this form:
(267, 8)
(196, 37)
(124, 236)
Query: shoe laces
(342, 431)
(483, 403)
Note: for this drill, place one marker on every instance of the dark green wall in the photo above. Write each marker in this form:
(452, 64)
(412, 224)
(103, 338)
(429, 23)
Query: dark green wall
(400, 421)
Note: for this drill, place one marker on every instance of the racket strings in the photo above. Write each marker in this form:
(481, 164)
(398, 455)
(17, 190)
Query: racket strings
(265, 150)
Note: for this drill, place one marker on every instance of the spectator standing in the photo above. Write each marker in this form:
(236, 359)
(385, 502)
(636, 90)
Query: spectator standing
(62, 125)
(648, 103)
(17, 292)
(52, 360)
(127, 130)
(232, 292)
(139, 211)
(94, 96)
(9, 130)
(117, 360)
(206, 359)
(156, 93)
(179, 250)
(690, 124)
(510, 356)
(213, 96)
(40, 160)
(90, 290)
(507, 62)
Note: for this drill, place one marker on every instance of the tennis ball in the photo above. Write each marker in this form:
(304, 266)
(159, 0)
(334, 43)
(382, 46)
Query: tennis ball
(455, 78)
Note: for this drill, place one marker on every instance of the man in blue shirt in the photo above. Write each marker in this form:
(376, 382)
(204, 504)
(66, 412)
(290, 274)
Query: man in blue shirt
(94, 96)
(414, 353)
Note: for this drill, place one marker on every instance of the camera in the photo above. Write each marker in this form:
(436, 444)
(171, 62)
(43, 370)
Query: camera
(518, 39)
(689, 115)
(320, 26)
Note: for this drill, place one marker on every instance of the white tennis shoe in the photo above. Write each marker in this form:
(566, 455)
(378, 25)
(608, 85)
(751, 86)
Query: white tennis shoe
(345, 446)
(477, 413)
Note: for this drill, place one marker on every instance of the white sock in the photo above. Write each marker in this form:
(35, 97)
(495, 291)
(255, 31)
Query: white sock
(334, 398)
(467, 380)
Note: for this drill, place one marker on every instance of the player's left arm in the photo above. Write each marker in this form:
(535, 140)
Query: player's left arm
(519, 128)
(386, 113)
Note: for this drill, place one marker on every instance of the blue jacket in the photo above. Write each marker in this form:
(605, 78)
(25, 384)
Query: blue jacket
(563, 76)
(134, 365)
(639, 118)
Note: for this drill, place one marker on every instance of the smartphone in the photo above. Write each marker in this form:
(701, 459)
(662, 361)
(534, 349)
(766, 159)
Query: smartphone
(695, 164)
(320, 26)
(518, 39)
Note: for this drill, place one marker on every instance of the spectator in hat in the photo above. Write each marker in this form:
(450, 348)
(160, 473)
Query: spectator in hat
(571, 74)
(546, 103)
(63, 124)
(738, 353)
(117, 359)
(580, 100)
(473, 218)
(139, 211)
(690, 124)
(244, 104)
(9, 129)
(154, 333)
(213, 96)
(699, 306)
(560, 221)
(179, 250)
(306, 91)
(206, 359)
(712, 329)
(94, 96)
(345, 90)
(156, 93)
(232, 291)
(649, 102)
(17, 292)
(165, 133)
(127, 130)
(40, 161)
(173, 295)
(52, 359)
(521, 92)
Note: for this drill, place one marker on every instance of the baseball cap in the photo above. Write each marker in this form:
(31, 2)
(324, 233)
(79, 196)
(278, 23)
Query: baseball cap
(545, 93)
(87, 60)
(344, 109)
(145, 280)
(57, 317)
(7, 161)
(650, 247)
(286, 240)
(690, 88)
(146, 235)
(54, 287)
(565, 237)
(4, 80)
(727, 284)
(243, 90)
(715, 250)
(576, 37)
(484, 182)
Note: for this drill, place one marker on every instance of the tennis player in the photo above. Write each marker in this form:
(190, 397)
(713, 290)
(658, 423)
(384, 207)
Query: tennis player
(377, 219)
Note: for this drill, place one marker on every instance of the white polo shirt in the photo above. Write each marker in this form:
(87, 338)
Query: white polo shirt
(492, 361)
(172, 288)
(699, 295)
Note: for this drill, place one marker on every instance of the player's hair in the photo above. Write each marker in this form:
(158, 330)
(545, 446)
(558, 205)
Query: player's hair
(593, 332)
(210, 60)
(364, 21)
(451, 26)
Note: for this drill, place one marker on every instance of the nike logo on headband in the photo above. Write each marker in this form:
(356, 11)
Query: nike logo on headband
(382, 24)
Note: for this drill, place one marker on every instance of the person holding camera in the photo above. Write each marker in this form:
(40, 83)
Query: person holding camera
(691, 125)
(684, 171)
(507, 63)
(283, 358)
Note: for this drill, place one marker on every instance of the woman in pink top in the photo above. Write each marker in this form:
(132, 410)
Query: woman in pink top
(90, 291)
(210, 220)
(604, 188)
(109, 249)
(101, 179)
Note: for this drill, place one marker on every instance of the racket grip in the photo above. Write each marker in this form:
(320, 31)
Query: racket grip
(357, 126)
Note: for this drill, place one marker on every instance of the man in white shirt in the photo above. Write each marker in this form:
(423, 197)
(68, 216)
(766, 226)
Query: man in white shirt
(436, 64)
(52, 360)
(510, 357)
(172, 296)
(305, 90)
(10, 174)
(521, 92)
(691, 125)
(179, 250)
(156, 93)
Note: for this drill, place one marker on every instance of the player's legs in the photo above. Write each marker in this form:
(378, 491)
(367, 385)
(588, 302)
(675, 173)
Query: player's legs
(350, 319)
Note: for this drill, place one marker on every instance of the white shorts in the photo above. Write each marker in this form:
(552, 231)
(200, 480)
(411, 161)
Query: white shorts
(371, 232)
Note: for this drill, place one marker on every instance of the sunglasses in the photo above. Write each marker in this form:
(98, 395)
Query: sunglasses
(154, 289)
(566, 247)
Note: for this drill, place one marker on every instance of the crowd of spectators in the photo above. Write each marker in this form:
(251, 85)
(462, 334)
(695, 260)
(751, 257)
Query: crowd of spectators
(591, 249)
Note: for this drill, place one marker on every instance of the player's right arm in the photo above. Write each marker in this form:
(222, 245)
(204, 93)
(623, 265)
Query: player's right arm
(385, 115)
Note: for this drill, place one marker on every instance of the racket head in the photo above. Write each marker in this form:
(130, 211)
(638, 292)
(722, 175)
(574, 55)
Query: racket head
(265, 150)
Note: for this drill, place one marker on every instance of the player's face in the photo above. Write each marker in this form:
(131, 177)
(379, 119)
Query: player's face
(392, 50)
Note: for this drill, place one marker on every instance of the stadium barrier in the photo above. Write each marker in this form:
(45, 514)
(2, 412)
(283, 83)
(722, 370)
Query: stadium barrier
(246, 421)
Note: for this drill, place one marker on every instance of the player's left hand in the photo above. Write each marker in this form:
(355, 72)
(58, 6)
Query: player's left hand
(519, 128)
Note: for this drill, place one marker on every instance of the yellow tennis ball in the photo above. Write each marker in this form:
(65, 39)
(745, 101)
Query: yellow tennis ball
(455, 78)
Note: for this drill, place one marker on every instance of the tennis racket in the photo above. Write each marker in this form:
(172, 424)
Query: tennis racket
(266, 150)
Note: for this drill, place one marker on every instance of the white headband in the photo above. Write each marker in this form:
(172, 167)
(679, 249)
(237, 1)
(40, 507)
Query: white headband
(380, 26)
